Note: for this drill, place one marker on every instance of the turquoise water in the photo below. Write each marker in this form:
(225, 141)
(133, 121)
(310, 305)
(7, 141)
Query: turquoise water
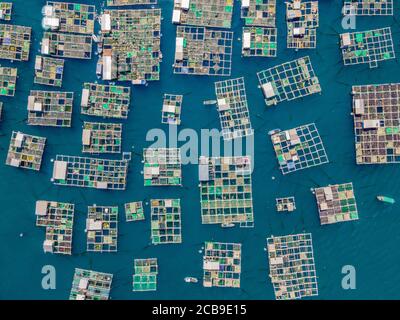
(370, 244)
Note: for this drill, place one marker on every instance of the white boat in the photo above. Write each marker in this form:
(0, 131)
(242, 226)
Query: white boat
(191, 279)
(274, 131)
(227, 225)
(209, 102)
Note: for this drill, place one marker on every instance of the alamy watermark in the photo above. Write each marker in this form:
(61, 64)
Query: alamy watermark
(349, 17)
(49, 278)
(349, 280)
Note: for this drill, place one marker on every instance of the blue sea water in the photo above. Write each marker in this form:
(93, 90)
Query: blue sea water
(370, 244)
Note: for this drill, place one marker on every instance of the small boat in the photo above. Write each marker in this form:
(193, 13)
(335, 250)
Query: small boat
(386, 199)
(209, 102)
(274, 131)
(191, 280)
(227, 225)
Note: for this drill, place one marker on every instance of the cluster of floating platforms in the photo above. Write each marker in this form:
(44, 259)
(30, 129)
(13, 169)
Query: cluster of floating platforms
(226, 191)
(299, 148)
(368, 7)
(102, 229)
(8, 81)
(145, 275)
(162, 167)
(91, 172)
(203, 51)
(233, 109)
(376, 113)
(259, 42)
(90, 285)
(166, 226)
(64, 45)
(134, 211)
(336, 203)
(25, 151)
(130, 45)
(5, 11)
(370, 47)
(49, 71)
(289, 81)
(172, 108)
(259, 12)
(292, 267)
(285, 204)
(15, 42)
(58, 219)
(50, 108)
(108, 101)
(101, 137)
(222, 264)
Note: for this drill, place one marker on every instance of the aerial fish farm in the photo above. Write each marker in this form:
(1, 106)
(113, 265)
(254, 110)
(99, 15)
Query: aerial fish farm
(49, 71)
(101, 137)
(90, 285)
(259, 42)
(8, 81)
(91, 172)
(203, 51)
(299, 148)
(226, 191)
(25, 151)
(259, 12)
(302, 23)
(172, 108)
(145, 275)
(134, 211)
(291, 266)
(368, 7)
(376, 117)
(162, 167)
(130, 45)
(5, 11)
(102, 229)
(50, 108)
(15, 42)
(63, 45)
(166, 226)
(58, 219)
(222, 264)
(367, 47)
(233, 109)
(336, 203)
(285, 204)
(107, 101)
(121, 3)
(289, 81)
(216, 13)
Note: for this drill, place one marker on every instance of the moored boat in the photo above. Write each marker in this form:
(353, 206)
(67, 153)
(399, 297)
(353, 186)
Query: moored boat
(386, 199)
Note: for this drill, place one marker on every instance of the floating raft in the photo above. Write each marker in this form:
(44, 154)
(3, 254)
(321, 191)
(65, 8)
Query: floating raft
(145, 275)
(299, 148)
(101, 137)
(222, 264)
(166, 221)
(5, 11)
(285, 204)
(233, 109)
(202, 51)
(172, 108)
(50, 108)
(302, 19)
(162, 167)
(65, 45)
(130, 45)
(134, 211)
(8, 81)
(49, 71)
(336, 203)
(226, 190)
(216, 13)
(368, 7)
(367, 47)
(15, 42)
(108, 101)
(25, 151)
(259, 42)
(58, 219)
(102, 229)
(259, 12)
(69, 17)
(121, 3)
(376, 118)
(90, 285)
(91, 172)
(292, 267)
(289, 81)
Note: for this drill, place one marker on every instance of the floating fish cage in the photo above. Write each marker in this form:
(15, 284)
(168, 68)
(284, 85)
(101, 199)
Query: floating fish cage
(121, 3)
(259, 42)
(25, 151)
(203, 51)
(258, 12)
(145, 275)
(370, 47)
(166, 226)
(172, 108)
(233, 109)
(101, 137)
(58, 219)
(90, 285)
(289, 81)
(5, 11)
(15, 42)
(64, 45)
(102, 229)
(134, 211)
(285, 204)
(8, 81)
(50, 108)
(222, 264)
(226, 191)
(291, 266)
(368, 7)
(49, 71)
